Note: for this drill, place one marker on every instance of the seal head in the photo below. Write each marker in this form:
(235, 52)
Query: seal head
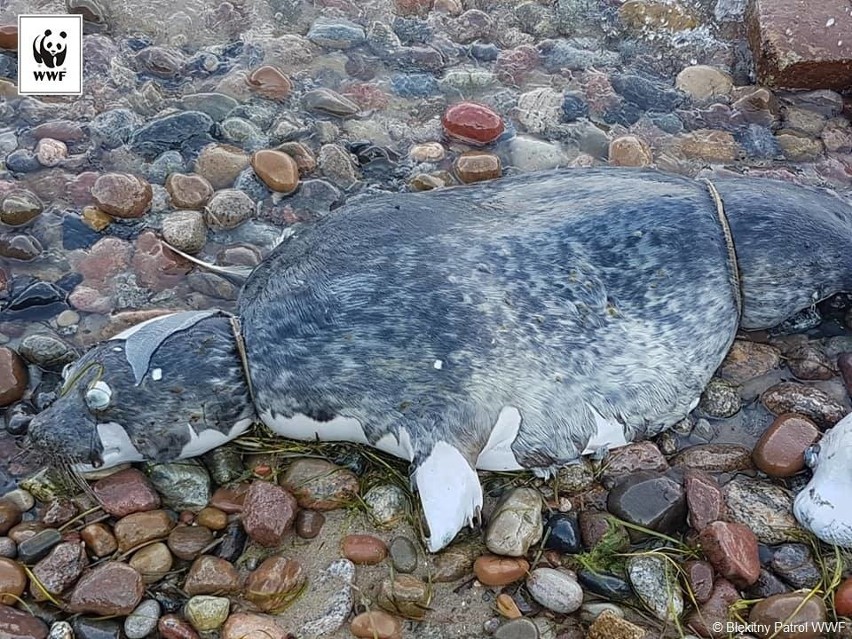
(169, 388)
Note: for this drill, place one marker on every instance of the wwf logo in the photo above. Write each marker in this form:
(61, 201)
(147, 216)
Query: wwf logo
(50, 49)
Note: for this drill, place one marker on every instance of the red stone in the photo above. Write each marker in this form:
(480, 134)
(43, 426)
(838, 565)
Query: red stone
(843, 599)
(472, 123)
(704, 498)
(173, 627)
(732, 549)
(13, 377)
(110, 589)
(125, 492)
(156, 266)
(17, 624)
(780, 450)
(9, 36)
(230, 499)
(699, 577)
(710, 620)
(801, 44)
(268, 513)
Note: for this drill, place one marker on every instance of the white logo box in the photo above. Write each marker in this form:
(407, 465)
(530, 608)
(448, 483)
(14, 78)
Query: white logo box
(50, 54)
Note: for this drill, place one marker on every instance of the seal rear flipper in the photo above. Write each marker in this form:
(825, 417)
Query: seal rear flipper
(450, 493)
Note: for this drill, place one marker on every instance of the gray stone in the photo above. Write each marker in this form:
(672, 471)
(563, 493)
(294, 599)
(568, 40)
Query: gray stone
(216, 105)
(335, 33)
(765, 508)
(531, 154)
(337, 166)
(227, 209)
(183, 485)
(654, 580)
(555, 590)
(333, 588)
(403, 554)
(46, 351)
(143, 620)
(516, 523)
(185, 230)
(387, 504)
(720, 399)
(517, 629)
(540, 110)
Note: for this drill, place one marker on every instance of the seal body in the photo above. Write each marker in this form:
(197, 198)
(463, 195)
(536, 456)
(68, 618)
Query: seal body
(508, 325)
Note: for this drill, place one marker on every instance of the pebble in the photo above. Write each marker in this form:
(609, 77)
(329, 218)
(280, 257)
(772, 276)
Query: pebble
(46, 351)
(530, 154)
(125, 492)
(183, 485)
(704, 83)
(630, 459)
(308, 523)
(405, 595)
(336, 164)
(138, 528)
(19, 208)
(188, 191)
(562, 534)
(187, 542)
(96, 628)
(807, 362)
(714, 458)
(143, 620)
(17, 624)
(472, 123)
(277, 170)
(212, 518)
(595, 526)
(211, 576)
(555, 590)
(269, 82)
(799, 613)
(732, 549)
(275, 584)
(364, 549)
(109, 589)
(764, 508)
(302, 155)
(329, 102)
(333, 33)
(320, 485)
(216, 105)
(220, 164)
(657, 15)
(13, 384)
(711, 616)
(492, 570)
(452, 564)
(50, 152)
(61, 630)
(245, 625)
(699, 578)
(228, 209)
(720, 399)
(517, 629)
(8, 548)
(747, 360)
(173, 627)
(268, 513)
(704, 498)
(376, 624)
(655, 585)
(477, 166)
(13, 581)
(58, 571)
(185, 230)
(334, 588)
(516, 523)
(809, 401)
(184, 131)
(507, 607)
(206, 613)
(629, 150)
(153, 562)
(605, 584)
(122, 195)
(403, 554)
(650, 500)
(609, 625)
(780, 450)
(843, 598)
(795, 564)
(37, 545)
(21, 498)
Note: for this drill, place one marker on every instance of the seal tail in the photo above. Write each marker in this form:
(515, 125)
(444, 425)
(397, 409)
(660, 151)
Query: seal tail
(237, 275)
(450, 493)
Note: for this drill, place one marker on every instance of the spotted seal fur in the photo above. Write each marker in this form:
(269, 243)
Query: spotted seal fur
(515, 324)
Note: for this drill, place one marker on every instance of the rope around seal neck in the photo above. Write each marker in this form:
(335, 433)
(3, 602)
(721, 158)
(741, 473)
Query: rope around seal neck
(733, 265)
(241, 349)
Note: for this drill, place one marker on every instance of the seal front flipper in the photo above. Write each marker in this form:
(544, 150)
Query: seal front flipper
(450, 493)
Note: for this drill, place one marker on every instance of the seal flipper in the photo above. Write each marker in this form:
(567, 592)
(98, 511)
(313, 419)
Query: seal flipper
(450, 493)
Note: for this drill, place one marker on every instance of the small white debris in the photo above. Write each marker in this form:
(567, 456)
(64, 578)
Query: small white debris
(830, 22)
(116, 349)
(438, 364)
(157, 374)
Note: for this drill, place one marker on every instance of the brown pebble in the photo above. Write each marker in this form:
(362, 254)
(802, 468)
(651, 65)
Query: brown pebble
(275, 583)
(13, 581)
(95, 219)
(187, 542)
(229, 500)
(507, 607)
(628, 150)
(122, 195)
(13, 382)
(492, 570)
(220, 164)
(10, 515)
(780, 450)
(302, 155)
(99, 539)
(364, 549)
(211, 576)
(9, 37)
(126, 492)
(843, 599)
(138, 528)
(212, 518)
(152, 562)
(308, 523)
(109, 589)
(699, 577)
(270, 82)
(276, 169)
(173, 627)
(25, 530)
(188, 191)
(376, 624)
(477, 166)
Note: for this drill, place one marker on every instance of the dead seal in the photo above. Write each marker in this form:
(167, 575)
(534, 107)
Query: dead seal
(516, 324)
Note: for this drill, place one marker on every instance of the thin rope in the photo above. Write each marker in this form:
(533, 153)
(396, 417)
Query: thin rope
(733, 264)
(241, 349)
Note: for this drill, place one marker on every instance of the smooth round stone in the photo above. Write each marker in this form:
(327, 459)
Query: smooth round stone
(185, 230)
(403, 554)
(13, 384)
(207, 613)
(9, 37)
(269, 82)
(61, 630)
(211, 576)
(173, 627)
(85, 628)
(780, 450)
(302, 155)
(138, 528)
(277, 170)
(720, 399)
(19, 208)
(13, 581)
(99, 539)
(18, 246)
(245, 625)
(364, 549)
(50, 152)
(555, 590)
(212, 518)
(376, 624)
(472, 123)
(606, 585)
(275, 583)
(335, 33)
(320, 485)
(21, 498)
(143, 620)
(809, 401)
(843, 599)
(327, 101)
(221, 164)
(8, 548)
(477, 166)
(650, 500)
(153, 562)
(406, 595)
(228, 209)
(109, 589)
(764, 508)
(629, 150)
(427, 152)
(703, 82)
(187, 542)
(492, 570)
(182, 486)
(517, 629)
(46, 351)
(800, 614)
(308, 523)
(122, 195)
(188, 191)
(38, 546)
(656, 586)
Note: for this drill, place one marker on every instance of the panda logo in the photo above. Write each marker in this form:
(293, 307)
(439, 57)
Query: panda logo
(49, 49)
